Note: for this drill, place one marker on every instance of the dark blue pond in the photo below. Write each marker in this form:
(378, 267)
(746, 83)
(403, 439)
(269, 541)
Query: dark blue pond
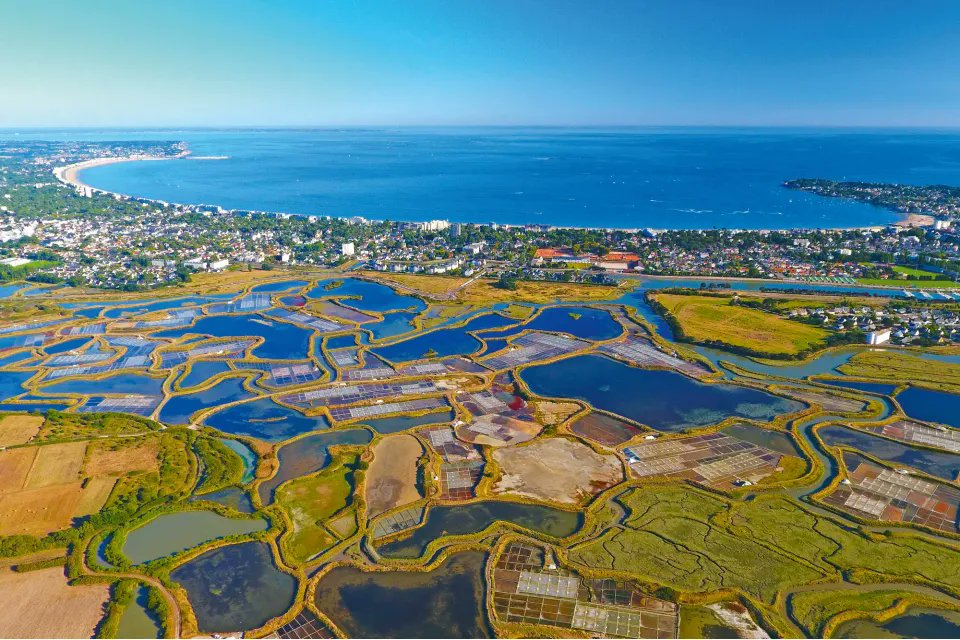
(942, 465)
(202, 371)
(8, 290)
(494, 345)
(308, 455)
(664, 400)
(15, 342)
(402, 423)
(39, 407)
(67, 345)
(338, 342)
(264, 419)
(369, 296)
(89, 312)
(447, 602)
(283, 340)
(236, 588)
(178, 409)
(14, 358)
(580, 322)
(283, 285)
(120, 383)
(477, 516)
(932, 406)
(154, 305)
(443, 342)
(393, 324)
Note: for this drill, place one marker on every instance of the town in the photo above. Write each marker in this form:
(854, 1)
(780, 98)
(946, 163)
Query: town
(55, 231)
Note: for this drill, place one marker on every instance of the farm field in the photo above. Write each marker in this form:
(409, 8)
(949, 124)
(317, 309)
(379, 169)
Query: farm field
(18, 429)
(582, 474)
(30, 598)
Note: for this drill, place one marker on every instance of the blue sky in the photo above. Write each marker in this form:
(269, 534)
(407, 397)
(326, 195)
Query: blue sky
(501, 62)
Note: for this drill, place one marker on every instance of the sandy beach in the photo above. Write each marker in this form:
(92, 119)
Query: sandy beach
(70, 174)
(916, 220)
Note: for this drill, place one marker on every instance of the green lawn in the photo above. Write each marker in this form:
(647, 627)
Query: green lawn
(909, 284)
(706, 318)
(911, 271)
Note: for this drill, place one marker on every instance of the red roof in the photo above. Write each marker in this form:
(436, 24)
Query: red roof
(553, 253)
(621, 256)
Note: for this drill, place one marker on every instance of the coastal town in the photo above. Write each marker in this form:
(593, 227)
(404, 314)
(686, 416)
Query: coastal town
(55, 229)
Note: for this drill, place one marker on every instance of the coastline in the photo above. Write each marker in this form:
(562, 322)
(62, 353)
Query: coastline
(70, 176)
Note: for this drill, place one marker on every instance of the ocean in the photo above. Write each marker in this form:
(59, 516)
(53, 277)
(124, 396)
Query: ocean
(625, 178)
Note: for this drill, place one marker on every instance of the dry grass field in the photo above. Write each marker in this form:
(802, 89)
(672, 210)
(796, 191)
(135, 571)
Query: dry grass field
(14, 467)
(423, 284)
(16, 429)
(39, 511)
(56, 464)
(94, 495)
(486, 292)
(555, 469)
(40, 604)
(392, 476)
(705, 318)
(104, 461)
(41, 488)
(555, 412)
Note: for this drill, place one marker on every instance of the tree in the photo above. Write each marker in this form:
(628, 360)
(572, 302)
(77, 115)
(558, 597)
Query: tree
(507, 282)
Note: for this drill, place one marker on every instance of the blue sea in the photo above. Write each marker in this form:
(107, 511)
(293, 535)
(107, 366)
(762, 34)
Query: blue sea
(627, 178)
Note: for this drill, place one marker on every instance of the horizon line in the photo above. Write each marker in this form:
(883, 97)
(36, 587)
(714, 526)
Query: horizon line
(267, 127)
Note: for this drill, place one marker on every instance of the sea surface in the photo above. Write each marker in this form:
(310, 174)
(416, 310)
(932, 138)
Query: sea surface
(627, 178)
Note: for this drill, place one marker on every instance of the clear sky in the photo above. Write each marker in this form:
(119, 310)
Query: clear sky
(449, 62)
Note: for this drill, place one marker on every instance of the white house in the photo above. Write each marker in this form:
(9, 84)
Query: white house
(878, 337)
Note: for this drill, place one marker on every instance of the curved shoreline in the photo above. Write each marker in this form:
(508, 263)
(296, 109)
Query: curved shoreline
(69, 175)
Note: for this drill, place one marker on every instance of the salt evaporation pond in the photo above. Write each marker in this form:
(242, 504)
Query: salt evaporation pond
(664, 400)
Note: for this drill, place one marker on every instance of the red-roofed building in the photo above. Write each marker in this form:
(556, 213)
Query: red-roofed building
(621, 256)
(550, 253)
